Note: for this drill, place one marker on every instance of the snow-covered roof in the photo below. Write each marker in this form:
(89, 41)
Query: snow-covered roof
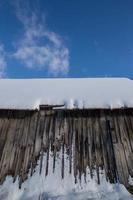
(72, 92)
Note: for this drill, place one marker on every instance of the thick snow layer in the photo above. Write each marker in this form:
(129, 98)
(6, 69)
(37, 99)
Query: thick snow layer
(53, 187)
(85, 92)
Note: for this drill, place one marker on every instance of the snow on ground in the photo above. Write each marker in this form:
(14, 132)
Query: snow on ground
(52, 187)
(78, 92)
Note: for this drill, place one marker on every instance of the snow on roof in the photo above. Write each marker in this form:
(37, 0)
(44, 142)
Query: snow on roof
(72, 92)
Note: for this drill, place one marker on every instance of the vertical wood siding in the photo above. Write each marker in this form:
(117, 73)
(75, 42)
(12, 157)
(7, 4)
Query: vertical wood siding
(98, 139)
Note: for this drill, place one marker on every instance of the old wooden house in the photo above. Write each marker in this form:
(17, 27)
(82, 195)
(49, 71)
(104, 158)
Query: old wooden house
(86, 123)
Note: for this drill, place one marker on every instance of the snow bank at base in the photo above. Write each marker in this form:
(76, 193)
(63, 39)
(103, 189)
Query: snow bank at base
(81, 93)
(53, 187)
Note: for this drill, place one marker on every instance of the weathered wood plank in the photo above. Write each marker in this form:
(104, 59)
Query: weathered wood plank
(90, 138)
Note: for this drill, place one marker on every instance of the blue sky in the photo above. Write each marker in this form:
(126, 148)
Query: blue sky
(66, 38)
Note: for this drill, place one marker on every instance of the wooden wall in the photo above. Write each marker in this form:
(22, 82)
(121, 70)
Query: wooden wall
(97, 138)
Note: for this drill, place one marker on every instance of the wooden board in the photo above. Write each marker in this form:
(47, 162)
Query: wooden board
(98, 139)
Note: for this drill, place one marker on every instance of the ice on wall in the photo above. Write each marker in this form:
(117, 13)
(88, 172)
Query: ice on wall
(53, 187)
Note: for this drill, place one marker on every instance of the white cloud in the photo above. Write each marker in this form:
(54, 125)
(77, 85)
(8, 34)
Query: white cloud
(3, 63)
(40, 48)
